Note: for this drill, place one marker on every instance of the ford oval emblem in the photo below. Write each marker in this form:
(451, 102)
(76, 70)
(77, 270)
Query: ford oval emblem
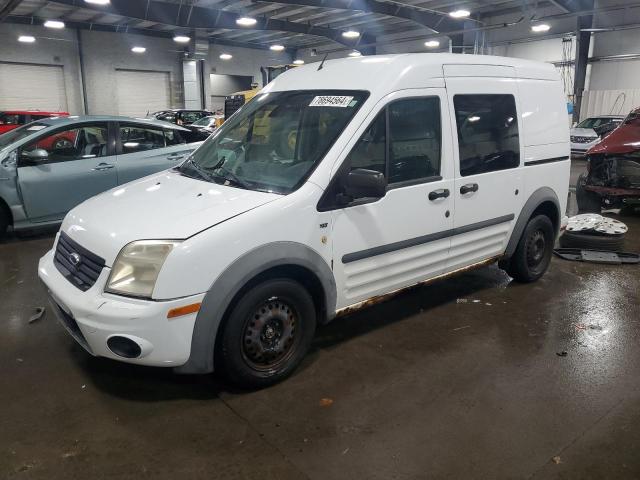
(74, 259)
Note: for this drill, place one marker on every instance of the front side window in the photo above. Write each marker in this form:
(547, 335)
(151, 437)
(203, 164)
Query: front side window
(275, 141)
(139, 139)
(409, 149)
(87, 141)
(487, 133)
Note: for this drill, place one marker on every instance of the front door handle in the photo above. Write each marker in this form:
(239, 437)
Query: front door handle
(468, 188)
(436, 194)
(176, 156)
(103, 166)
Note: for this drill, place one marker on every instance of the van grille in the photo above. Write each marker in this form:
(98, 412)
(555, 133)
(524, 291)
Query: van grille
(579, 139)
(77, 264)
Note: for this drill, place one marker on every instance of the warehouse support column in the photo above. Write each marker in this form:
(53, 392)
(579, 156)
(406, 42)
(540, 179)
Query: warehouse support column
(583, 39)
(457, 43)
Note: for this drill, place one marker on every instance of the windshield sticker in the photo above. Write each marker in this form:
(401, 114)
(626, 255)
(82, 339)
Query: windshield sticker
(331, 101)
(35, 128)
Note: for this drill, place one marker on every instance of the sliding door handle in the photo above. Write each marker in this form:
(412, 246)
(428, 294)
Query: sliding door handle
(436, 194)
(468, 188)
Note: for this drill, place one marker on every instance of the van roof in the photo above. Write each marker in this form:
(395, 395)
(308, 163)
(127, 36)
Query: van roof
(392, 72)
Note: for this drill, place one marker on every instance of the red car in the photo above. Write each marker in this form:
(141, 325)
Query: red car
(613, 169)
(11, 119)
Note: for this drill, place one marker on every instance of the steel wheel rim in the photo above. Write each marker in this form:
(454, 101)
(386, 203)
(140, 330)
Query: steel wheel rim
(536, 248)
(270, 335)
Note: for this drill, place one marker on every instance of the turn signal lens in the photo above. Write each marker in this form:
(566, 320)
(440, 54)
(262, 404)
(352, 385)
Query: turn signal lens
(186, 310)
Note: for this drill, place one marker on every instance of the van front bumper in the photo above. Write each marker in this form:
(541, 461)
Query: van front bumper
(102, 322)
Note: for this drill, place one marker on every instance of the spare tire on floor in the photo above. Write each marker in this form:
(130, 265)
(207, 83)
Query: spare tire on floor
(588, 202)
(592, 241)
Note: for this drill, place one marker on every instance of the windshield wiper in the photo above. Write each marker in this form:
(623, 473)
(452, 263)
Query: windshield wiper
(195, 167)
(232, 177)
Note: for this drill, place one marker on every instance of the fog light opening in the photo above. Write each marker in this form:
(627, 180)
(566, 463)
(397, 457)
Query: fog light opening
(124, 347)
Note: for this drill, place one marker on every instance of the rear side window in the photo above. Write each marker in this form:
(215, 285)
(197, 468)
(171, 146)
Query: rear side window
(139, 139)
(403, 142)
(488, 138)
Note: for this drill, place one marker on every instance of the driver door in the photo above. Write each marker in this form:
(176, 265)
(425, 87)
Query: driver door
(58, 171)
(402, 238)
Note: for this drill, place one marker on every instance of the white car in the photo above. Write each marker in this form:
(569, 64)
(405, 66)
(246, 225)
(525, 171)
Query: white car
(583, 135)
(331, 189)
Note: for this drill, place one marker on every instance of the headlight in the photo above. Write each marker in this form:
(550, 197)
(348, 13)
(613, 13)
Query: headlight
(136, 269)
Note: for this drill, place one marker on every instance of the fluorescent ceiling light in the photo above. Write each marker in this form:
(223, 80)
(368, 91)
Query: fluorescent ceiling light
(355, 53)
(432, 43)
(350, 34)
(98, 2)
(246, 21)
(181, 39)
(460, 13)
(54, 24)
(26, 39)
(138, 49)
(542, 27)
(277, 48)
(298, 62)
(226, 56)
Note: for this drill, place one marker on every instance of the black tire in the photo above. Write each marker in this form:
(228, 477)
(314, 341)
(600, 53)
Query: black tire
(627, 210)
(588, 202)
(533, 253)
(4, 223)
(592, 241)
(268, 333)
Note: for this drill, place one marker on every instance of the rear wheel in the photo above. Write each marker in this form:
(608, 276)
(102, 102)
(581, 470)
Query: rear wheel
(588, 202)
(4, 223)
(268, 333)
(533, 253)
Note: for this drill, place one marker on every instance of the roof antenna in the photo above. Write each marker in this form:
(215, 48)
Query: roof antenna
(322, 62)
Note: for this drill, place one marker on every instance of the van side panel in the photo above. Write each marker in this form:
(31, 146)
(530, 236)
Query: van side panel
(545, 135)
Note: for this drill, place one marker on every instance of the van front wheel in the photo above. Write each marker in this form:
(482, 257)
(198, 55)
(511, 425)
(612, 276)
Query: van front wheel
(533, 253)
(267, 333)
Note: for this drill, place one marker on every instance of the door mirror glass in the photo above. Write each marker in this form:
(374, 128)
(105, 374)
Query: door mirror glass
(37, 155)
(363, 183)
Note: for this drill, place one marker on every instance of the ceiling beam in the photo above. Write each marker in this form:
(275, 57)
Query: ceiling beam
(8, 8)
(125, 29)
(562, 5)
(190, 17)
(433, 20)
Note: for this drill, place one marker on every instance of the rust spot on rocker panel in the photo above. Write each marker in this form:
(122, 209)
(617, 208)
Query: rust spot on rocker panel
(382, 298)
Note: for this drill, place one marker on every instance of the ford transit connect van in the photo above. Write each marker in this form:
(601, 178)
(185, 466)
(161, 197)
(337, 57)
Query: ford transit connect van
(332, 188)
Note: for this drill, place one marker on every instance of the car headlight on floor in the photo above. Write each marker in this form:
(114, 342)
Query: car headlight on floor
(137, 267)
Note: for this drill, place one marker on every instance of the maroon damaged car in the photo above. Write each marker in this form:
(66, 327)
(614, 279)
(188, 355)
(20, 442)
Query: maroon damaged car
(612, 179)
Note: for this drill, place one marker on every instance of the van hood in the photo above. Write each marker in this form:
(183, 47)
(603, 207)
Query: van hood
(163, 206)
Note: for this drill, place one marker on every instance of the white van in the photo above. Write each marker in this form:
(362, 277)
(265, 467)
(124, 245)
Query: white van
(335, 186)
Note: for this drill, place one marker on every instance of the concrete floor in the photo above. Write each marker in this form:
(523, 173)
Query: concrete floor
(422, 386)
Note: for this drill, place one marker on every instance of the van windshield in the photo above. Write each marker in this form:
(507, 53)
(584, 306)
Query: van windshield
(274, 142)
(19, 133)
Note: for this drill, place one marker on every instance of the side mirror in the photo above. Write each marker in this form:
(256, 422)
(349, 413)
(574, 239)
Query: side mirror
(363, 183)
(37, 155)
